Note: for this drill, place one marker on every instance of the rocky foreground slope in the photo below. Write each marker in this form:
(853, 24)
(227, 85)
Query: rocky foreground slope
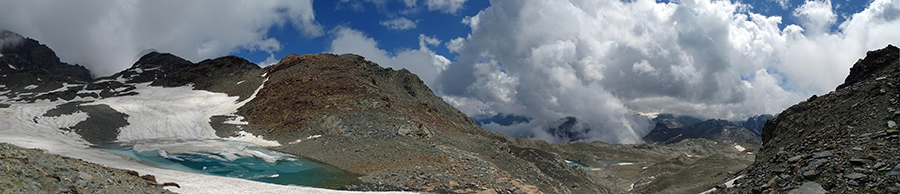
(843, 142)
(32, 171)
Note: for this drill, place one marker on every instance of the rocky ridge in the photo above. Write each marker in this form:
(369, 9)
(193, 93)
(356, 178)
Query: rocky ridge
(843, 142)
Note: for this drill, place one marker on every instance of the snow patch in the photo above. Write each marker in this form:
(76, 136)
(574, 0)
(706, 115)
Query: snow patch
(651, 115)
(728, 184)
(169, 113)
(294, 142)
(30, 87)
(240, 82)
(313, 136)
(237, 120)
(11, 66)
(739, 148)
(244, 136)
(264, 74)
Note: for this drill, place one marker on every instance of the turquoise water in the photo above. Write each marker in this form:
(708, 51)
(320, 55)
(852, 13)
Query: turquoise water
(573, 163)
(284, 170)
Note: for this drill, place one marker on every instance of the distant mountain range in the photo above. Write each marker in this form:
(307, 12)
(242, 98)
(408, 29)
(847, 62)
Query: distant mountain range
(672, 130)
(666, 128)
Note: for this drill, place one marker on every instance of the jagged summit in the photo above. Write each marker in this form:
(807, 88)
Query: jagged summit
(152, 66)
(868, 67)
(25, 61)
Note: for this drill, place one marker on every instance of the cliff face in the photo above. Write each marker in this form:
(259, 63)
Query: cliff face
(843, 142)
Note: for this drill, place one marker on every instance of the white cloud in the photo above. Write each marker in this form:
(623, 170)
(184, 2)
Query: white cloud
(271, 60)
(399, 24)
(423, 62)
(456, 44)
(106, 35)
(644, 66)
(601, 60)
(816, 16)
(785, 4)
(446, 6)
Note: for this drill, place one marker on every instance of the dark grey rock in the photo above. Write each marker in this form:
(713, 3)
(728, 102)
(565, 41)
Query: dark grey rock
(809, 188)
(855, 176)
(810, 174)
(795, 158)
(102, 125)
(822, 154)
(879, 165)
(859, 161)
(895, 171)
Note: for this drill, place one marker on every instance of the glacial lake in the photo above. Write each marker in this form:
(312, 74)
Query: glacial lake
(235, 159)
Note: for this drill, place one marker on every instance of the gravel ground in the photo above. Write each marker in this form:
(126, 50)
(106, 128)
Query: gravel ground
(33, 171)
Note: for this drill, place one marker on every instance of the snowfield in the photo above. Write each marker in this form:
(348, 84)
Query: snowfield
(156, 113)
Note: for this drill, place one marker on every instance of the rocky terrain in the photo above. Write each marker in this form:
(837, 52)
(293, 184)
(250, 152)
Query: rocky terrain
(33, 171)
(843, 142)
(385, 125)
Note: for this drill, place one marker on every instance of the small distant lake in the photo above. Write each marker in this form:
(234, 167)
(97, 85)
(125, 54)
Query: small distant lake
(235, 159)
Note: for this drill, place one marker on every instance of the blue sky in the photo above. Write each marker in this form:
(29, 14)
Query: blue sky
(446, 26)
(601, 61)
(367, 18)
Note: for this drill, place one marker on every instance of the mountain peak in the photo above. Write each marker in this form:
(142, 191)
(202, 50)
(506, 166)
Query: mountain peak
(26, 61)
(875, 61)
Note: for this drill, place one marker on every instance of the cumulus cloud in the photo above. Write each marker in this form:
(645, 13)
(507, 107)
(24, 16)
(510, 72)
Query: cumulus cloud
(106, 35)
(423, 61)
(399, 24)
(602, 61)
(817, 16)
(456, 44)
(446, 6)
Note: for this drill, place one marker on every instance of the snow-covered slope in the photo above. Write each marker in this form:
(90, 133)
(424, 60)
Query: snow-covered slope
(154, 113)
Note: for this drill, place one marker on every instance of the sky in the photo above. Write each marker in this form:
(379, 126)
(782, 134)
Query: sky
(601, 61)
